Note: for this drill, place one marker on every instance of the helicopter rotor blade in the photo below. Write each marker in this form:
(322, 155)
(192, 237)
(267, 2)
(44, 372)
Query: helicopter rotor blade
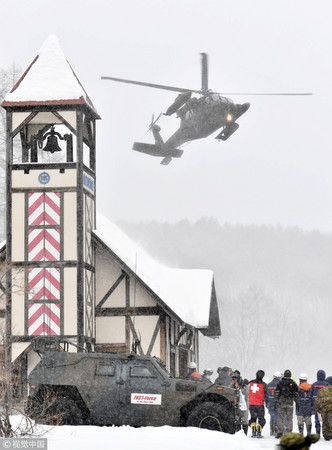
(205, 83)
(157, 86)
(264, 93)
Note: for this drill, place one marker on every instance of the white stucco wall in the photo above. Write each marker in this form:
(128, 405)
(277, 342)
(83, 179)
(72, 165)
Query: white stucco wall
(70, 226)
(70, 301)
(107, 272)
(110, 330)
(18, 226)
(18, 302)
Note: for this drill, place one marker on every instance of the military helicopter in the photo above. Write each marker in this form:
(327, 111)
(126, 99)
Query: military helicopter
(199, 117)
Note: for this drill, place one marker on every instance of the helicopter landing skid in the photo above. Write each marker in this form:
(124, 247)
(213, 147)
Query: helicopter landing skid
(227, 131)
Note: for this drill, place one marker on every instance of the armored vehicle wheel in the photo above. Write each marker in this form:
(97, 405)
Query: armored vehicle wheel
(64, 411)
(212, 416)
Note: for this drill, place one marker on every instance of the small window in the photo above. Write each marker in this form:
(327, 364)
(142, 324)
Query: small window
(140, 371)
(105, 368)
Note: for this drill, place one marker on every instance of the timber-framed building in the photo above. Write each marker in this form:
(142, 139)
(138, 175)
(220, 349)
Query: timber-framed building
(72, 280)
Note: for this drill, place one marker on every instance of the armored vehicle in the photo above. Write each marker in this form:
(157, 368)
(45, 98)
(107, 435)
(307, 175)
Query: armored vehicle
(126, 389)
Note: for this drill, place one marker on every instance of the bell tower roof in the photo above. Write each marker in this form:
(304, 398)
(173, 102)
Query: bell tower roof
(49, 80)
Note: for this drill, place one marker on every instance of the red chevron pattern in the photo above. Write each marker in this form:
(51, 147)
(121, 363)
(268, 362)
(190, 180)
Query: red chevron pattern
(44, 244)
(44, 319)
(44, 283)
(44, 208)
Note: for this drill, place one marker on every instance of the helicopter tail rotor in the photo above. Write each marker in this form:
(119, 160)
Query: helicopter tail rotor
(153, 124)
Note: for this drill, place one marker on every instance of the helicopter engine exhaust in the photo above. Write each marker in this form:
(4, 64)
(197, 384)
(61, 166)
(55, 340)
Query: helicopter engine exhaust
(180, 100)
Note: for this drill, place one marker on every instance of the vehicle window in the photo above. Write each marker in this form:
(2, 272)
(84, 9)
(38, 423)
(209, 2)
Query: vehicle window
(140, 371)
(105, 368)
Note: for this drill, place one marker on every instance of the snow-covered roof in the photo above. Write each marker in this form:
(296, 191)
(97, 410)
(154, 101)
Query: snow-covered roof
(187, 292)
(48, 80)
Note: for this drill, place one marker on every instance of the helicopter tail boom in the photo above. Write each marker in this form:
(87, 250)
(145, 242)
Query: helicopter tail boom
(157, 150)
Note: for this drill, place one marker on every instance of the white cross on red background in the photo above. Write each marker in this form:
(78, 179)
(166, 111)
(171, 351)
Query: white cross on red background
(254, 387)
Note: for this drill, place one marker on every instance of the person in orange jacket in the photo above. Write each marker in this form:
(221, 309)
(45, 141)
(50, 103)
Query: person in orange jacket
(192, 372)
(304, 411)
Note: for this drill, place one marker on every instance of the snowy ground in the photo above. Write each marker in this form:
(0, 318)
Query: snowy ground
(165, 438)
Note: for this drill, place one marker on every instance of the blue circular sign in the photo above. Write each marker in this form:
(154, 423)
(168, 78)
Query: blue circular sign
(44, 178)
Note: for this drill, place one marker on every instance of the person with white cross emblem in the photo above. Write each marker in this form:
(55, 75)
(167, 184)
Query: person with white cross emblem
(257, 397)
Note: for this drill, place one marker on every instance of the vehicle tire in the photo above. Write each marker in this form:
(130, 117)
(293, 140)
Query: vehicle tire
(64, 411)
(212, 416)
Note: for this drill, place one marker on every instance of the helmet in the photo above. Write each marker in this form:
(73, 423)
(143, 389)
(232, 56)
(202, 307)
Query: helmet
(287, 374)
(277, 374)
(192, 365)
(208, 371)
(303, 376)
(236, 376)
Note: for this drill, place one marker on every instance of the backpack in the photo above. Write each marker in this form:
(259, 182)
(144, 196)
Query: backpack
(286, 388)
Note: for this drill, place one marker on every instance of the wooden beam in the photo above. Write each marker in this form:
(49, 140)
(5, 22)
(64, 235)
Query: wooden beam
(163, 340)
(154, 336)
(110, 291)
(2, 288)
(132, 327)
(132, 311)
(25, 122)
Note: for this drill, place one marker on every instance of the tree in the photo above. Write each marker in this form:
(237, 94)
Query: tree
(25, 426)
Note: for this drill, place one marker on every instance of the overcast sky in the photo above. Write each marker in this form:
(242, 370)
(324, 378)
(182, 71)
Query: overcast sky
(276, 169)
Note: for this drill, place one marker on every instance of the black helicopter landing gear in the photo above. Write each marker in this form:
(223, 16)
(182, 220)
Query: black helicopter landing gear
(227, 131)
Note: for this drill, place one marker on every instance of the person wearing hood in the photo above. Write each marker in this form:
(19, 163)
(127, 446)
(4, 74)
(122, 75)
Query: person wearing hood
(304, 410)
(285, 395)
(316, 386)
(257, 397)
(329, 380)
(224, 376)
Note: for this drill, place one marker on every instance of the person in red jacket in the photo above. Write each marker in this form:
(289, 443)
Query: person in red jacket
(258, 396)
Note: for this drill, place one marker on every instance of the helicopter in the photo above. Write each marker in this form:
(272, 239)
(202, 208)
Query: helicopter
(199, 117)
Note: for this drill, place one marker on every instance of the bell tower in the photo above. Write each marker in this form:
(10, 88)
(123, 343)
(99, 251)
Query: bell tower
(51, 192)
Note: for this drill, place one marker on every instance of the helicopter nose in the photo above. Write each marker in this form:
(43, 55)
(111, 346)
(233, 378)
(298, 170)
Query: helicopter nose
(245, 107)
(241, 109)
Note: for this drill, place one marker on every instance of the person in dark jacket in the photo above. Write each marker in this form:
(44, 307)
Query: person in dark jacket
(304, 410)
(257, 398)
(271, 387)
(224, 376)
(315, 387)
(207, 375)
(285, 394)
(329, 380)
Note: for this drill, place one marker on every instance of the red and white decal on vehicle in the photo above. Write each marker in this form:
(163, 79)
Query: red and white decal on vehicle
(146, 399)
